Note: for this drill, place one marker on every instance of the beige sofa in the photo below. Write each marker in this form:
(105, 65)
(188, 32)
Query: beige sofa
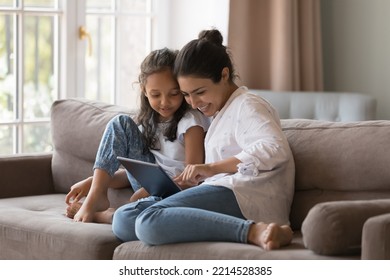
(335, 161)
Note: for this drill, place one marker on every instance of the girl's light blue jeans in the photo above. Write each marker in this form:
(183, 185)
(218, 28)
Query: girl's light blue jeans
(121, 138)
(202, 213)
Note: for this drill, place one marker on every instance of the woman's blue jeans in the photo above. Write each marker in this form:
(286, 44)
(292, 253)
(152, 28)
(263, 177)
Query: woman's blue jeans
(202, 213)
(121, 138)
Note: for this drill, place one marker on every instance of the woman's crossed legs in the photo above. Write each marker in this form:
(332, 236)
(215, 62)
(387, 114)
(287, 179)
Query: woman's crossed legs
(202, 213)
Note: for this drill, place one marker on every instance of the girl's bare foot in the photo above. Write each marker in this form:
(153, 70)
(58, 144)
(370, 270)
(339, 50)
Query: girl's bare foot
(138, 194)
(72, 209)
(270, 236)
(104, 217)
(90, 207)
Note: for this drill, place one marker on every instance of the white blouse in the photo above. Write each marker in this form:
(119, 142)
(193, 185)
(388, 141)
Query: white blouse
(248, 128)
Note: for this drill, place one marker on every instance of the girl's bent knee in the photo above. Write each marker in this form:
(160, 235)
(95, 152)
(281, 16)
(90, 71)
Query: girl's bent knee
(121, 122)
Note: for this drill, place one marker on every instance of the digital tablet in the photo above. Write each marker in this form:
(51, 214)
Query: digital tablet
(151, 177)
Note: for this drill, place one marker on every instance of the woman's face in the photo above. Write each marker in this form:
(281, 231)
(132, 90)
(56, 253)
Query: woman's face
(203, 94)
(164, 94)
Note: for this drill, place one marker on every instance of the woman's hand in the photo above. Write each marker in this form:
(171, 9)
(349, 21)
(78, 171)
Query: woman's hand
(183, 185)
(193, 174)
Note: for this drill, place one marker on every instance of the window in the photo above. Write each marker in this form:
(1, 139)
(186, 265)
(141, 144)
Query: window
(121, 37)
(29, 74)
(43, 59)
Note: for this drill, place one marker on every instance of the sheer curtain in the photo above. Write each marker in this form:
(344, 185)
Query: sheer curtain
(276, 44)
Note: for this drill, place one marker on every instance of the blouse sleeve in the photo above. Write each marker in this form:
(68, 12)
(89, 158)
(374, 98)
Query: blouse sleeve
(260, 136)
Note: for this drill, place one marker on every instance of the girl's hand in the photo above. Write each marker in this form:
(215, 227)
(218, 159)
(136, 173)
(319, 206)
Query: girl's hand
(78, 191)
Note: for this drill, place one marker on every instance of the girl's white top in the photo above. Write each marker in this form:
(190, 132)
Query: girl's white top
(249, 128)
(171, 155)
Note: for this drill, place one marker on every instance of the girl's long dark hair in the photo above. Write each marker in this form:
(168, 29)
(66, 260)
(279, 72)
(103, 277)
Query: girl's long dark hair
(157, 61)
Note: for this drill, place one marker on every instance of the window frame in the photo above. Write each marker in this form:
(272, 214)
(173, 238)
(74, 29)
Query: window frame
(19, 121)
(68, 58)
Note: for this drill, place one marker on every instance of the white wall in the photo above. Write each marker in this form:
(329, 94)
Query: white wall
(356, 40)
(356, 45)
(190, 17)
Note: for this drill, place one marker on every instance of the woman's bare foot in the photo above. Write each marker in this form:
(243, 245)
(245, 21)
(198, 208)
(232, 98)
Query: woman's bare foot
(270, 236)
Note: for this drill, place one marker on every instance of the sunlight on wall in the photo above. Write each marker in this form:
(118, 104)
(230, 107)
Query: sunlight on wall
(180, 21)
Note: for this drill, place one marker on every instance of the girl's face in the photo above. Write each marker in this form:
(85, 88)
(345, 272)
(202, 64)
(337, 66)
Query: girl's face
(163, 93)
(205, 95)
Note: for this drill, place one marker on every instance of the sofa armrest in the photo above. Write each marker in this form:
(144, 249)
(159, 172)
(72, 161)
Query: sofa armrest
(23, 175)
(376, 238)
(335, 228)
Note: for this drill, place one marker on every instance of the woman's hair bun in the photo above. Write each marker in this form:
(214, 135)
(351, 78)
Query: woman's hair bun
(212, 35)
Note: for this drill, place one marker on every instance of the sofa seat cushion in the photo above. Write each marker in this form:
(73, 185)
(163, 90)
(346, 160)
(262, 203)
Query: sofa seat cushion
(35, 227)
(335, 228)
(216, 251)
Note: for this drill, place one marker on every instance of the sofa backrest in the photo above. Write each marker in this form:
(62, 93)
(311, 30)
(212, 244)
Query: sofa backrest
(77, 126)
(327, 106)
(338, 161)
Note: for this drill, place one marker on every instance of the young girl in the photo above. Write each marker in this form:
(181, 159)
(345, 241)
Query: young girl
(167, 132)
(249, 171)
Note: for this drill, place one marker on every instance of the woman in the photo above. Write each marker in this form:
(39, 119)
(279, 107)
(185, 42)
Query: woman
(247, 180)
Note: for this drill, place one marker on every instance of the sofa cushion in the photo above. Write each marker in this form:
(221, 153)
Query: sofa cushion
(335, 228)
(337, 161)
(35, 227)
(77, 126)
(216, 251)
(375, 238)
